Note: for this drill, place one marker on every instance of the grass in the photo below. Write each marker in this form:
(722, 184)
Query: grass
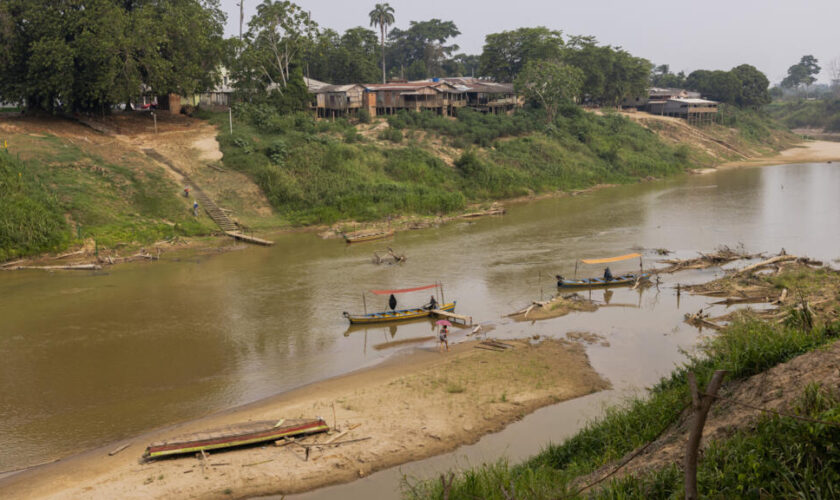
(324, 171)
(59, 194)
(744, 349)
(32, 220)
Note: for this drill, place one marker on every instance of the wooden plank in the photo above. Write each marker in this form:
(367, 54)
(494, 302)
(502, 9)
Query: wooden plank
(450, 315)
(248, 239)
(119, 449)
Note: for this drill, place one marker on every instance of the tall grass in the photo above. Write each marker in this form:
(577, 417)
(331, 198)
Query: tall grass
(31, 220)
(744, 349)
(325, 171)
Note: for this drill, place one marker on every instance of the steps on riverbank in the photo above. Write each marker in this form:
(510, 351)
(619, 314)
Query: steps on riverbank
(218, 216)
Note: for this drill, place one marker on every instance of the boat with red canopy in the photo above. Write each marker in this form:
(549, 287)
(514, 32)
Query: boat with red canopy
(401, 314)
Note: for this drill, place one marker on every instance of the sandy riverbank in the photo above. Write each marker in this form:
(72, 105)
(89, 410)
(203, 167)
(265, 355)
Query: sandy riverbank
(806, 152)
(413, 406)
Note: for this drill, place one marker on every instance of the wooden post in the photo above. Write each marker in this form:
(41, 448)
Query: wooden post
(230, 119)
(154, 116)
(442, 298)
(701, 406)
(364, 301)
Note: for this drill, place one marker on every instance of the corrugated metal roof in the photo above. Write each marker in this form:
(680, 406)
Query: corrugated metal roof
(336, 88)
(692, 100)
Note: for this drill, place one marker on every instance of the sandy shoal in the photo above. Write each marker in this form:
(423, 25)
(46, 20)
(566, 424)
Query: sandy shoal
(806, 152)
(413, 406)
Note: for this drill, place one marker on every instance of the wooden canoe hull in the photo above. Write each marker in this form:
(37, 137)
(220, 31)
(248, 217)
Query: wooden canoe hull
(626, 279)
(389, 316)
(233, 436)
(362, 237)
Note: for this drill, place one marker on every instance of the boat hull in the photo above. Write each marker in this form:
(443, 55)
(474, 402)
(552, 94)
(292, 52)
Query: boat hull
(625, 279)
(389, 316)
(233, 436)
(362, 237)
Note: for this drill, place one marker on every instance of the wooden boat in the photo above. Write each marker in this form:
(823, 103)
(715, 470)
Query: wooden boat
(235, 435)
(361, 236)
(398, 315)
(625, 279)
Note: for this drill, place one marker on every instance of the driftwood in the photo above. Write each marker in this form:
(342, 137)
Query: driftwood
(701, 319)
(764, 263)
(119, 449)
(393, 256)
(722, 256)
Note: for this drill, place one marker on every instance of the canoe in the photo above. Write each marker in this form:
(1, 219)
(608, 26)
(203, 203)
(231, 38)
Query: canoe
(399, 315)
(625, 279)
(235, 435)
(361, 236)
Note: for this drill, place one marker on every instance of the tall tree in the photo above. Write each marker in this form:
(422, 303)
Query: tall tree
(802, 73)
(549, 84)
(424, 41)
(383, 16)
(754, 86)
(506, 53)
(610, 73)
(88, 54)
(276, 36)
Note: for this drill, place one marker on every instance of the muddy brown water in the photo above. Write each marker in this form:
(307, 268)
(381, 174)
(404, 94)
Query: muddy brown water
(90, 358)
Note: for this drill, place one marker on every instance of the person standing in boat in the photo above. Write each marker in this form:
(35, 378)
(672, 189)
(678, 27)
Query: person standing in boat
(608, 274)
(392, 302)
(444, 338)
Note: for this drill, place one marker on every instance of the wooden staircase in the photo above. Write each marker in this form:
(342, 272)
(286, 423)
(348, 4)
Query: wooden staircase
(217, 214)
(219, 217)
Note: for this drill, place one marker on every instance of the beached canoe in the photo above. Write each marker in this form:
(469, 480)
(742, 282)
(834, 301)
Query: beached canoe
(361, 236)
(235, 435)
(399, 315)
(625, 279)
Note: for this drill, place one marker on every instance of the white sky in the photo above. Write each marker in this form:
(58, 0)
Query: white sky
(704, 34)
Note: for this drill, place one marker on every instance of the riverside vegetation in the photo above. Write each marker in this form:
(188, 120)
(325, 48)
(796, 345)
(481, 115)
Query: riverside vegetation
(775, 457)
(319, 172)
(62, 191)
(59, 194)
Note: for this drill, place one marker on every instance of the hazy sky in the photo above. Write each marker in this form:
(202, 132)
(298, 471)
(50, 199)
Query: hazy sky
(704, 34)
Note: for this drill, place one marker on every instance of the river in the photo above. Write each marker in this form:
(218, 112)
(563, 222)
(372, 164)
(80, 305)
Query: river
(90, 358)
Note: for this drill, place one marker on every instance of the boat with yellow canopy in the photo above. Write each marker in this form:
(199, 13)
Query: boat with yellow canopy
(608, 279)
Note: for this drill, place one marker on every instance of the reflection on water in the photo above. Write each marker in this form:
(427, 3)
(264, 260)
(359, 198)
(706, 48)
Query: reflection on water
(112, 354)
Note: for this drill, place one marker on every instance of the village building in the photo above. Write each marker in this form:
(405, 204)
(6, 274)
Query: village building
(435, 96)
(340, 100)
(694, 110)
(487, 96)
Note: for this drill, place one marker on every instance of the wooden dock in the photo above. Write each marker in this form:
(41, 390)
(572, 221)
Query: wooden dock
(250, 239)
(455, 318)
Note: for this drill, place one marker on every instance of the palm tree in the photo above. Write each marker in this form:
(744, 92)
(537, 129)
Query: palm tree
(383, 16)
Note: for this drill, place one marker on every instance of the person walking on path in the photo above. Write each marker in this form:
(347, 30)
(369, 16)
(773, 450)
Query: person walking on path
(186, 191)
(195, 208)
(444, 338)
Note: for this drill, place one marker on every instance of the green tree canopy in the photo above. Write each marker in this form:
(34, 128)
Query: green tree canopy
(610, 73)
(549, 84)
(743, 86)
(423, 41)
(754, 86)
(505, 54)
(802, 73)
(661, 76)
(90, 54)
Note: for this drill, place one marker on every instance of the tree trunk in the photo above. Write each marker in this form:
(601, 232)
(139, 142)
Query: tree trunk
(382, 30)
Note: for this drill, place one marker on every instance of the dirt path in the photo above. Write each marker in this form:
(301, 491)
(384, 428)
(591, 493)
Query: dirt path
(412, 407)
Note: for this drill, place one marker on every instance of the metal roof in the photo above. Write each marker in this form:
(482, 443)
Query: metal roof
(692, 100)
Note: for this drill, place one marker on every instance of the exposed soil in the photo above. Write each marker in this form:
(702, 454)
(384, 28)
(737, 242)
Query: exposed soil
(412, 407)
(778, 389)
